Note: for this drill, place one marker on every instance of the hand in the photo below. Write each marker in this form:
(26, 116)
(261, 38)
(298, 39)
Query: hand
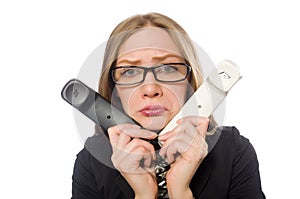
(184, 148)
(134, 157)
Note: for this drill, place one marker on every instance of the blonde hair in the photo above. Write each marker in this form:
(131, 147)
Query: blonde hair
(131, 25)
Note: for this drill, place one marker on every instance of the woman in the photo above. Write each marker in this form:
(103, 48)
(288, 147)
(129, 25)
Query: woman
(150, 69)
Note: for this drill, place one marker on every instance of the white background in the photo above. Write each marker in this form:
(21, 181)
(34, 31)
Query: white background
(43, 44)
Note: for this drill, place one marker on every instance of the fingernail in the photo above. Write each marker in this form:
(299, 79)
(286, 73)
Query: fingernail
(136, 126)
(179, 121)
(163, 137)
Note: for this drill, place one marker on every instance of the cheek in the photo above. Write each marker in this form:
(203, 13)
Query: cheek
(174, 95)
(122, 95)
(127, 98)
(177, 93)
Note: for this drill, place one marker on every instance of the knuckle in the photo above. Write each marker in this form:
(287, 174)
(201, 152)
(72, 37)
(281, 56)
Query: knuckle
(135, 141)
(203, 150)
(110, 130)
(140, 149)
(205, 120)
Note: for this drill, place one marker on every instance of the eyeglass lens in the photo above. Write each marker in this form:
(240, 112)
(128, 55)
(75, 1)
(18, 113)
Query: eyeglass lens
(135, 74)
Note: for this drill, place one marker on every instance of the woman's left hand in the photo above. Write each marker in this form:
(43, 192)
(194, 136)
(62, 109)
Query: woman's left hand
(184, 148)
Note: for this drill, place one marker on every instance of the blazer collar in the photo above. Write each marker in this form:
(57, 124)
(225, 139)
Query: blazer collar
(201, 177)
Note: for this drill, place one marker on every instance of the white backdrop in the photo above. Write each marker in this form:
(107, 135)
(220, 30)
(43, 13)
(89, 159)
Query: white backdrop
(43, 44)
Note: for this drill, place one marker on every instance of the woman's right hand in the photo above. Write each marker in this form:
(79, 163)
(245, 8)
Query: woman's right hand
(134, 157)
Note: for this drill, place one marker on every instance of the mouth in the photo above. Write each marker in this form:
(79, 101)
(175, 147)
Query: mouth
(153, 110)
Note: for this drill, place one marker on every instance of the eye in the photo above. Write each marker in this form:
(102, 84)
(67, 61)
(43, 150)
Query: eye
(167, 69)
(129, 72)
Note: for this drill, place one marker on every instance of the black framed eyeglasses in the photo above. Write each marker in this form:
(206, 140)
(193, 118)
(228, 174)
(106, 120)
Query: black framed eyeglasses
(169, 72)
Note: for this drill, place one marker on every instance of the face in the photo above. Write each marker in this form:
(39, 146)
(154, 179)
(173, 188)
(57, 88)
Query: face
(151, 103)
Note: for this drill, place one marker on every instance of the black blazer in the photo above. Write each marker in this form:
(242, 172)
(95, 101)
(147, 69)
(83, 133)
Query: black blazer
(230, 171)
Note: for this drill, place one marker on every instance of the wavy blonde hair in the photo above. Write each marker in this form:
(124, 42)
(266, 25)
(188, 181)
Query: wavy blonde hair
(133, 24)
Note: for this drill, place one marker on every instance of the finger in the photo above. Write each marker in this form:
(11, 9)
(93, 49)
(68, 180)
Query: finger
(169, 139)
(148, 160)
(180, 142)
(135, 131)
(127, 160)
(113, 134)
(118, 128)
(140, 133)
(201, 123)
(183, 147)
(183, 142)
(202, 129)
(195, 120)
(123, 140)
(192, 136)
(166, 136)
(121, 134)
(139, 149)
(170, 153)
(184, 130)
(137, 153)
(136, 142)
(179, 139)
(169, 149)
(115, 131)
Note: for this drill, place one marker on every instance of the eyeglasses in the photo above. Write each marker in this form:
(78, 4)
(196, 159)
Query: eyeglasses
(130, 75)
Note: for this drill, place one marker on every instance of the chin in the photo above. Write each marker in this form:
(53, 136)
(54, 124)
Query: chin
(154, 123)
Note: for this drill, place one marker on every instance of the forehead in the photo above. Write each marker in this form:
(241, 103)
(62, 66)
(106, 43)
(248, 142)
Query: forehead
(149, 38)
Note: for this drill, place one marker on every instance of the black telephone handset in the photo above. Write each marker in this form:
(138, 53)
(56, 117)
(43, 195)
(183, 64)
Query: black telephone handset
(95, 107)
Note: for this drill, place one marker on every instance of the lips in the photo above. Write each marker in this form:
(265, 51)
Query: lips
(153, 110)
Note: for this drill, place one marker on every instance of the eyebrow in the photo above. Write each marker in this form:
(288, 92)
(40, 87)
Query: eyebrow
(157, 58)
(129, 61)
(166, 56)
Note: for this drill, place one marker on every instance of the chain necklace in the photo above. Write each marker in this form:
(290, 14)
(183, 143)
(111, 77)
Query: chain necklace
(161, 168)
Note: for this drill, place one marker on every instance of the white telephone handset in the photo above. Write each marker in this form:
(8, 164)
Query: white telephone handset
(210, 94)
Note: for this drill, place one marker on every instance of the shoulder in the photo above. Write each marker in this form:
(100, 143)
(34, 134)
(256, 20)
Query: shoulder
(243, 150)
(84, 183)
(230, 135)
(231, 132)
(245, 178)
(83, 160)
(94, 173)
(93, 162)
(232, 148)
(97, 153)
(95, 157)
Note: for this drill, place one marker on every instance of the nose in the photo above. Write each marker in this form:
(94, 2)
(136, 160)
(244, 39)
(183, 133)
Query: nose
(150, 88)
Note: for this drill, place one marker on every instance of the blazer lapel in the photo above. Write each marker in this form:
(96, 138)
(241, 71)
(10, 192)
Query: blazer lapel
(201, 177)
